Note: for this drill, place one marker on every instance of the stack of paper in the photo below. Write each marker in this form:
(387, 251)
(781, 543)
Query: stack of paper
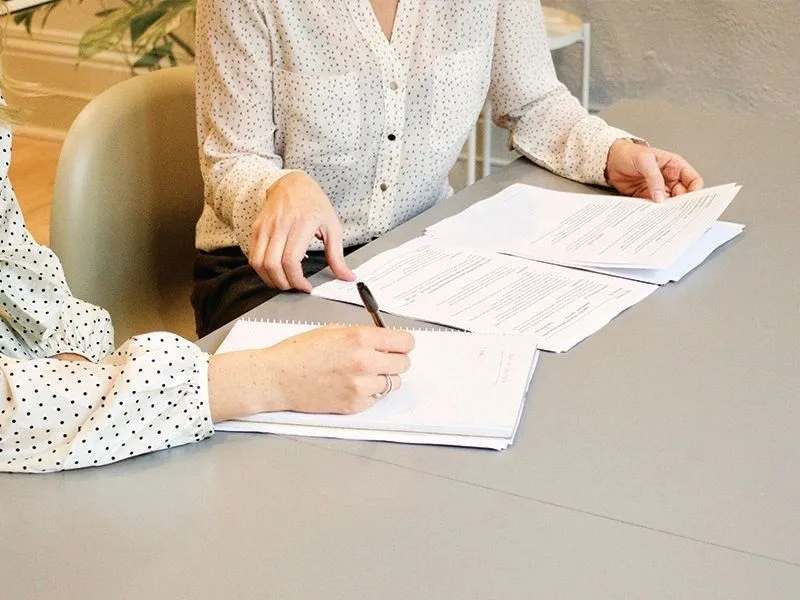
(483, 291)
(720, 233)
(462, 390)
(616, 235)
(519, 262)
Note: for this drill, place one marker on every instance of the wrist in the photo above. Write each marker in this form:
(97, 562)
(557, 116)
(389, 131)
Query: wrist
(287, 178)
(615, 148)
(241, 384)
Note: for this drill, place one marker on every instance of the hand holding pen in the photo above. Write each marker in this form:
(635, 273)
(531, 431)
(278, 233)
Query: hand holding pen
(372, 307)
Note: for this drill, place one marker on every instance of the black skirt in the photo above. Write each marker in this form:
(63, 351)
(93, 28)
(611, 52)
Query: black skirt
(226, 286)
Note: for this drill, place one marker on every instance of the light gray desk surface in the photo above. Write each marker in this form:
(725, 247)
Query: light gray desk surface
(658, 459)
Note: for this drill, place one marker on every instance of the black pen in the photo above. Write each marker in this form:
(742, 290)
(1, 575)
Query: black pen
(369, 303)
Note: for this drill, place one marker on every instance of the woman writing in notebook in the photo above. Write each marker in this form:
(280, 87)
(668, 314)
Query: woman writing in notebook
(68, 401)
(322, 125)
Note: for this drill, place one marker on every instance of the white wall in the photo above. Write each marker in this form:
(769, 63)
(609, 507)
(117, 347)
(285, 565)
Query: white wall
(735, 55)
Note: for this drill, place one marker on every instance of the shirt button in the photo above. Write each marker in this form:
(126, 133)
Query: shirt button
(384, 187)
(393, 85)
(392, 137)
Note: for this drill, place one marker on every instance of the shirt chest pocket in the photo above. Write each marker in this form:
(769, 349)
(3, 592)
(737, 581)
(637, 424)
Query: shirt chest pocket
(460, 84)
(317, 117)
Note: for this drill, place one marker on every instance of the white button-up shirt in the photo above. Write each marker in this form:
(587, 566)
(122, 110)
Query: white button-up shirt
(316, 86)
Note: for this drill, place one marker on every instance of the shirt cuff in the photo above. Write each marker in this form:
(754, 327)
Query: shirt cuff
(202, 394)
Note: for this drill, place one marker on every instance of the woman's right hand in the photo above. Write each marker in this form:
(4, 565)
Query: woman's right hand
(295, 211)
(326, 370)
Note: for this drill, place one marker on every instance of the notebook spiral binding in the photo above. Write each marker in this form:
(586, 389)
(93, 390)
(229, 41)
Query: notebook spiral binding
(321, 324)
(432, 327)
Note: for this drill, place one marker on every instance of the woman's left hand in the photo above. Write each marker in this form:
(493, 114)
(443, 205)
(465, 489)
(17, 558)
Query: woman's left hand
(638, 170)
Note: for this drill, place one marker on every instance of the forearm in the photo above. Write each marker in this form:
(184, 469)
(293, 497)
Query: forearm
(236, 130)
(557, 133)
(241, 384)
(546, 122)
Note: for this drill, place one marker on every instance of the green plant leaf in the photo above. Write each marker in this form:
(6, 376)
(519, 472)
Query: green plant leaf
(25, 17)
(141, 23)
(49, 8)
(152, 59)
(106, 34)
(149, 61)
(169, 21)
(149, 24)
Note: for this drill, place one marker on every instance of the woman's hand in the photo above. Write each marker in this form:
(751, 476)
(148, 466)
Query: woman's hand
(326, 370)
(644, 172)
(295, 211)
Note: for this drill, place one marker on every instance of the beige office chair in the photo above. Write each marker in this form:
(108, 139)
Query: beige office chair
(128, 193)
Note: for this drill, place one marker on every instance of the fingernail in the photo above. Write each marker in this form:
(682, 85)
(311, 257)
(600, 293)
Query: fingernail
(659, 196)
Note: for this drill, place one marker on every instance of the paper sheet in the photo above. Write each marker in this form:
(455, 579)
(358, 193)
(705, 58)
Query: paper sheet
(720, 233)
(482, 291)
(584, 229)
(373, 435)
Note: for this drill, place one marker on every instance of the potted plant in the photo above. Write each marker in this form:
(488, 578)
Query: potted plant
(146, 30)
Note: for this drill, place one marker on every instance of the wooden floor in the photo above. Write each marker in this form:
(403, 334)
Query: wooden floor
(32, 173)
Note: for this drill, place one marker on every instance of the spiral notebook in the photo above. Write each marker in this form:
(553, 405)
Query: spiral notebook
(463, 389)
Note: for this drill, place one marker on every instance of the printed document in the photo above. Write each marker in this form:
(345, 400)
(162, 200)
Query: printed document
(720, 233)
(482, 291)
(587, 230)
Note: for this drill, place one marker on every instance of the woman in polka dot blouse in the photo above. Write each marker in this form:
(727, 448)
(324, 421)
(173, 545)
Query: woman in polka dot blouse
(325, 124)
(68, 401)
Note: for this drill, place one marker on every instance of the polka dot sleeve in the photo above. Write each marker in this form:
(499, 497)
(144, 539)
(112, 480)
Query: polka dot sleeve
(39, 317)
(547, 124)
(149, 395)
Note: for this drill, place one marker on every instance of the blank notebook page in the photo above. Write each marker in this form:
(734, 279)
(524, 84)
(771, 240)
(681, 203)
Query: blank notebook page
(458, 383)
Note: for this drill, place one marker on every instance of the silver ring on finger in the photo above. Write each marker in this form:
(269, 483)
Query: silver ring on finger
(387, 390)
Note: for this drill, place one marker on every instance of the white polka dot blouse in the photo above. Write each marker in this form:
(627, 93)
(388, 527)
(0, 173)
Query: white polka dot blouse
(150, 394)
(316, 86)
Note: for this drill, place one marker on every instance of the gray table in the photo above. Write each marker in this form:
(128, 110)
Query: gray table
(658, 459)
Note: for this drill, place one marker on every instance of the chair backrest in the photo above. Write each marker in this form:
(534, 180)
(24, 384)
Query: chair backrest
(127, 196)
